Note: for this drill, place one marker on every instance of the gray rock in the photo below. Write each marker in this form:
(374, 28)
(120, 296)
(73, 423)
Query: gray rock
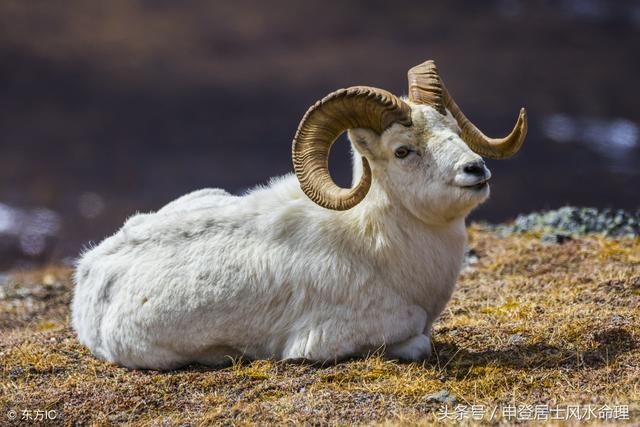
(555, 238)
(444, 397)
(516, 339)
(617, 319)
(574, 221)
(470, 257)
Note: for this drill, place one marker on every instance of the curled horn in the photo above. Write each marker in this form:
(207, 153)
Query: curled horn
(354, 107)
(426, 87)
(495, 148)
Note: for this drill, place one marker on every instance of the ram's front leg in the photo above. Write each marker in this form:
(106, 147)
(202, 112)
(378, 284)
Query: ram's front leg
(359, 334)
(310, 345)
(327, 343)
(415, 348)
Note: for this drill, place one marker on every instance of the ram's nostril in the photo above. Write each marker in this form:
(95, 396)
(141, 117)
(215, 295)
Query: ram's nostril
(475, 168)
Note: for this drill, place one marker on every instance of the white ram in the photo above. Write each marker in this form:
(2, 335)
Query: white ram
(302, 268)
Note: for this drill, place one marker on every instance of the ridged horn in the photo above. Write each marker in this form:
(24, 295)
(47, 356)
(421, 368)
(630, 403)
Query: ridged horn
(425, 86)
(324, 122)
(495, 148)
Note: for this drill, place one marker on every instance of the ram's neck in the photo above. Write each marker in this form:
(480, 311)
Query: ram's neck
(376, 232)
(388, 228)
(384, 223)
(421, 261)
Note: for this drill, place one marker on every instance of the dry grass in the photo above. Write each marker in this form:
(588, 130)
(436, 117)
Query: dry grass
(530, 324)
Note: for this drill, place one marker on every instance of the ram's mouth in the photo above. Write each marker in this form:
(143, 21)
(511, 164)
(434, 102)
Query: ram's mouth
(477, 186)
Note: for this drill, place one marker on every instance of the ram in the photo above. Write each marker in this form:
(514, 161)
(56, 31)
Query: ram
(302, 268)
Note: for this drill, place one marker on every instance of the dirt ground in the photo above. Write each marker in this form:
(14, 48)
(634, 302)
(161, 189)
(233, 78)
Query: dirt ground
(535, 331)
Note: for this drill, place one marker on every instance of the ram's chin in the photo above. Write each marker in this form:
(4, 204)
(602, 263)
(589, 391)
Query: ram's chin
(472, 197)
(481, 192)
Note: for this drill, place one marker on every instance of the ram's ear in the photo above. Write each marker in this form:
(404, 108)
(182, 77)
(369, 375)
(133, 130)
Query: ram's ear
(366, 141)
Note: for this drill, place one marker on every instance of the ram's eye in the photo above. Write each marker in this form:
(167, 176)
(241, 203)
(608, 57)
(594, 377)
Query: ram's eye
(402, 152)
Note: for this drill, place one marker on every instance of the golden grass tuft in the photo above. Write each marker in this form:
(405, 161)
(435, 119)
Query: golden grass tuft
(529, 324)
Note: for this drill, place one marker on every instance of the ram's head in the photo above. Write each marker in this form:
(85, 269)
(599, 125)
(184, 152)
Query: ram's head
(422, 150)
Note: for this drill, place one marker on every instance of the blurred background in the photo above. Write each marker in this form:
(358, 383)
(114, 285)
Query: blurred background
(108, 108)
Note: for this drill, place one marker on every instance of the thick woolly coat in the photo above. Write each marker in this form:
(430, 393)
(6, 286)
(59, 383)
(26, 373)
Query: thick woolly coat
(272, 275)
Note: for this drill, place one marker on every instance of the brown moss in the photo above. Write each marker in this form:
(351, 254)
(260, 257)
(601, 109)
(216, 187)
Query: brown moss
(33, 358)
(529, 324)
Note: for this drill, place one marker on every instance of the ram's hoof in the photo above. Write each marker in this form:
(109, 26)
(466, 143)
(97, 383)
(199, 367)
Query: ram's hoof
(416, 348)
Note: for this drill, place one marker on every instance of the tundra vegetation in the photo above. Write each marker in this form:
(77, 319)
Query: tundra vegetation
(530, 322)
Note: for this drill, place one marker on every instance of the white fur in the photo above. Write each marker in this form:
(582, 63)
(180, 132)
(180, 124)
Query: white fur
(272, 275)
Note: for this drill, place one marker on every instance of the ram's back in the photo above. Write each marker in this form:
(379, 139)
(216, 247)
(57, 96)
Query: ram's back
(214, 270)
(161, 273)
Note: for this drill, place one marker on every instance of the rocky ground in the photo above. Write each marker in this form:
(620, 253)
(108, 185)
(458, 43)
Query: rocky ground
(573, 221)
(539, 327)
